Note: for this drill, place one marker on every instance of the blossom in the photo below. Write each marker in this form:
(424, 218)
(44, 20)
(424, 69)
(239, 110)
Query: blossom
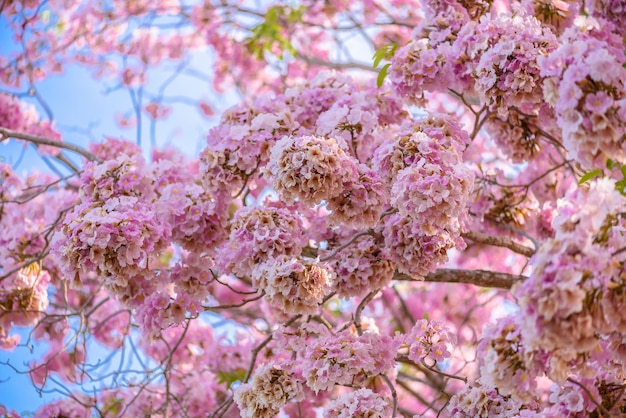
(361, 202)
(310, 169)
(258, 235)
(295, 286)
(270, 388)
(587, 84)
(475, 400)
(359, 403)
(341, 358)
(361, 267)
(415, 252)
(429, 339)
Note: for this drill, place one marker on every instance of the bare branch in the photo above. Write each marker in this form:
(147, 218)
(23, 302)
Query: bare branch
(499, 242)
(337, 65)
(8, 133)
(483, 278)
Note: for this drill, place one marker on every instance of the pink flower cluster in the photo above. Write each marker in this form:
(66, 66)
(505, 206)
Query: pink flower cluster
(344, 358)
(430, 340)
(117, 239)
(23, 300)
(64, 408)
(197, 217)
(571, 318)
(240, 144)
(22, 117)
(429, 61)
(310, 168)
(293, 285)
(329, 106)
(556, 15)
(475, 400)
(185, 287)
(361, 201)
(430, 187)
(28, 211)
(585, 86)
(573, 298)
(271, 387)
(505, 363)
(361, 267)
(129, 214)
(16, 115)
(258, 235)
(503, 60)
(518, 135)
(613, 11)
(360, 403)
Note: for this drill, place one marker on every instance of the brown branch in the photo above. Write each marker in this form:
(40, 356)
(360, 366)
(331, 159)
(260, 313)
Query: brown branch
(483, 238)
(483, 278)
(337, 65)
(7, 133)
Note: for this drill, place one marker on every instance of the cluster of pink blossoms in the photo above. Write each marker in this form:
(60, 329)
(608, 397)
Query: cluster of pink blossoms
(571, 318)
(270, 388)
(502, 54)
(344, 358)
(429, 62)
(115, 230)
(361, 267)
(429, 187)
(488, 59)
(585, 85)
(310, 169)
(259, 234)
(16, 115)
(329, 106)
(19, 116)
(28, 212)
(505, 363)
(476, 401)
(129, 215)
(23, 300)
(362, 403)
(430, 340)
(572, 302)
(294, 285)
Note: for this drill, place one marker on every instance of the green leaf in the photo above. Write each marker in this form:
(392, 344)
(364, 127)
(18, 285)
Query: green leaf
(113, 406)
(610, 164)
(620, 186)
(385, 52)
(231, 377)
(379, 55)
(382, 74)
(295, 15)
(269, 33)
(590, 175)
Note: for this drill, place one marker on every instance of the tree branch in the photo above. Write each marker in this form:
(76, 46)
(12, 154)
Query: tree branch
(483, 278)
(337, 65)
(483, 238)
(7, 133)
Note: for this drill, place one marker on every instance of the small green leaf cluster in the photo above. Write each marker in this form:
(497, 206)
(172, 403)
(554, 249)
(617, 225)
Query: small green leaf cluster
(620, 185)
(270, 32)
(385, 52)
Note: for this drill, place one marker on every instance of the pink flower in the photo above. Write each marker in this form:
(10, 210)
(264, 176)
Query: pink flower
(598, 102)
(157, 111)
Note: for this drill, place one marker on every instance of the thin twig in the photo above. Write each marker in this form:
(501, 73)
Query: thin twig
(8, 133)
